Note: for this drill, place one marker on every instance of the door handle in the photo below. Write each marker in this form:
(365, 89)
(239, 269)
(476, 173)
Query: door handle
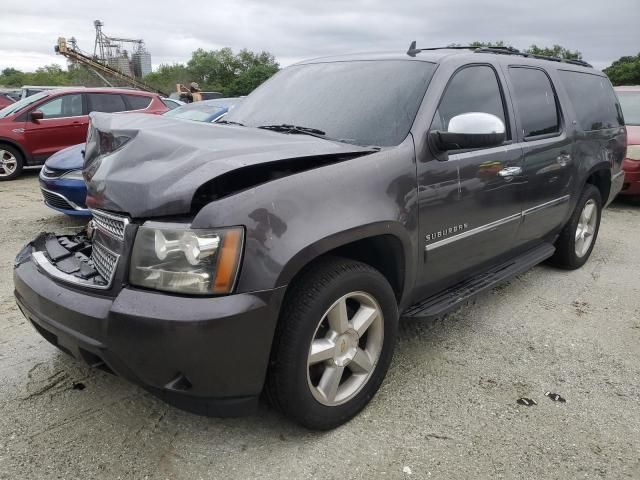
(563, 159)
(510, 171)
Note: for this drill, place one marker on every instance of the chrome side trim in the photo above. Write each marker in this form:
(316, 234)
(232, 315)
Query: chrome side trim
(43, 263)
(75, 206)
(542, 206)
(497, 223)
(474, 231)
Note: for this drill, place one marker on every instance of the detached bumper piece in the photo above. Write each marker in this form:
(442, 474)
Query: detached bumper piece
(71, 259)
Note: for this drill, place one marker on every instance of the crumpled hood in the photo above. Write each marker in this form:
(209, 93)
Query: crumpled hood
(69, 158)
(159, 169)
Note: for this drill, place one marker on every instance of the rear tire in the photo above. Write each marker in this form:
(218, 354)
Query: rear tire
(578, 237)
(348, 312)
(11, 162)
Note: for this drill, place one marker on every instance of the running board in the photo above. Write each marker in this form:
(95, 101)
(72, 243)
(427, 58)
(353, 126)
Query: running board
(457, 295)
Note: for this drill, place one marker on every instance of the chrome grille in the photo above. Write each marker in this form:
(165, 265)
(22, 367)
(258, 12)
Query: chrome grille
(114, 225)
(104, 260)
(56, 200)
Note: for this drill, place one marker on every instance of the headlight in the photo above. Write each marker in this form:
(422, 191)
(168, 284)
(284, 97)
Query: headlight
(73, 175)
(174, 258)
(633, 152)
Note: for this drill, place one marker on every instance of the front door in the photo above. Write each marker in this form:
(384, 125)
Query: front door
(64, 124)
(470, 204)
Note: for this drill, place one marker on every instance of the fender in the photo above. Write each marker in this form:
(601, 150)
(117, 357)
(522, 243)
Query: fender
(16, 145)
(361, 232)
(290, 221)
(599, 153)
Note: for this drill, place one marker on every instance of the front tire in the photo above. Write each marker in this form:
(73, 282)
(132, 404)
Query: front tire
(11, 162)
(578, 237)
(334, 343)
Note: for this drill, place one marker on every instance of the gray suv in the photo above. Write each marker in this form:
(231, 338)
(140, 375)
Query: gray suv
(276, 252)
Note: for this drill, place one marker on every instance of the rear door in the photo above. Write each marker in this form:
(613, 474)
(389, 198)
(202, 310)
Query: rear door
(549, 166)
(469, 201)
(64, 124)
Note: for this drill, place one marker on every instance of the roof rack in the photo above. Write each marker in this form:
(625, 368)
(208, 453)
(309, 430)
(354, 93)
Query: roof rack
(413, 51)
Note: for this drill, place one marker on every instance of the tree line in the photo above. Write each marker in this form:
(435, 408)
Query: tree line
(233, 74)
(624, 71)
(236, 74)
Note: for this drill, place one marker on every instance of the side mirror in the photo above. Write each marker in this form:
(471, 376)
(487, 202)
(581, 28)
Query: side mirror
(36, 115)
(470, 130)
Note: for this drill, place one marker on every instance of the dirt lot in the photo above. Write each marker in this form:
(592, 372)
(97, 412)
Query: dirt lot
(447, 409)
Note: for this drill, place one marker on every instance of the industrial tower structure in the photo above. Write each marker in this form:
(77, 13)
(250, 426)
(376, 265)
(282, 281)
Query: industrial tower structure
(114, 52)
(110, 60)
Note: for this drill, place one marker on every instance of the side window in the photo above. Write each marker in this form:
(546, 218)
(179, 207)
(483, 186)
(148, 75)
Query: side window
(472, 89)
(535, 101)
(62, 106)
(106, 102)
(593, 100)
(138, 102)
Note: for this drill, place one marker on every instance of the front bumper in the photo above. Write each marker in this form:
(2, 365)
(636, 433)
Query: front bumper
(206, 355)
(65, 195)
(631, 184)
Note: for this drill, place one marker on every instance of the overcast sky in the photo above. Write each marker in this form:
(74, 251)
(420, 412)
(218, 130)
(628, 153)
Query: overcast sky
(294, 29)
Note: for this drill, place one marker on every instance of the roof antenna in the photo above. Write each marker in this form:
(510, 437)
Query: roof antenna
(412, 49)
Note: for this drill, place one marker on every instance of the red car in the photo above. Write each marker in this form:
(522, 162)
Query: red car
(5, 100)
(36, 127)
(630, 102)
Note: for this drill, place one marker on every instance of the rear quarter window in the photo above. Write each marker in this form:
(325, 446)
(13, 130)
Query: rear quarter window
(138, 102)
(593, 100)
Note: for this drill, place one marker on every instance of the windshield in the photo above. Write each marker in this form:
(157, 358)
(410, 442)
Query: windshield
(19, 105)
(630, 103)
(360, 102)
(199, 113)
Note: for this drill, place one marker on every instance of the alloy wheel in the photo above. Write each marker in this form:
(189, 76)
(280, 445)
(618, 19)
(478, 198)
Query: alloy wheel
(345, 348)
(586, 228)
(8, 163)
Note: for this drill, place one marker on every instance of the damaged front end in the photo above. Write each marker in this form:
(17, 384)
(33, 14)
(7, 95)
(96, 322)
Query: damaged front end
(89, 258)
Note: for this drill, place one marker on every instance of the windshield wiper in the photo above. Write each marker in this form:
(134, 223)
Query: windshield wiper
(230, 122)
(286, 128)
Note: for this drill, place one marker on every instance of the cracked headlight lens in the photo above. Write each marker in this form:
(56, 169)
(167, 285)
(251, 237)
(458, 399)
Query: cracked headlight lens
(178, 259)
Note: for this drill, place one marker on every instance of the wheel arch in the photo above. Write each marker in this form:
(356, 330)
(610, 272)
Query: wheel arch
(383, 246)
(16, 145)
(600, 177)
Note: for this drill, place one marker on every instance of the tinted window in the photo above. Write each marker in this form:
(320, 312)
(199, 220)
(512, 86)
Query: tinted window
(106, 102)
(63, 106)
(535, 101)
(360, 102)
(473, 89)
(593, 100)
(138, 102)
(630, 102)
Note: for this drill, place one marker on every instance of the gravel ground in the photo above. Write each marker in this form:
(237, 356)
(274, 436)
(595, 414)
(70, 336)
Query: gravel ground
(446, 410)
